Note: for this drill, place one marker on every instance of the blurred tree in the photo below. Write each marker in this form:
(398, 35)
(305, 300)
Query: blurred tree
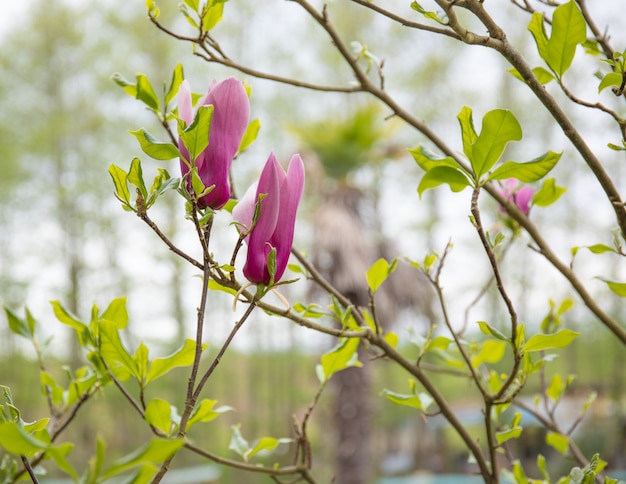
(348, 238)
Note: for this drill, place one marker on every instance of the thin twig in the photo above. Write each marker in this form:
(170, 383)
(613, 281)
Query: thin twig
(29, 469)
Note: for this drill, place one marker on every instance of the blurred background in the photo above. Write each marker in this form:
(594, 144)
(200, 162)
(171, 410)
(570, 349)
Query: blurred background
(63, 235)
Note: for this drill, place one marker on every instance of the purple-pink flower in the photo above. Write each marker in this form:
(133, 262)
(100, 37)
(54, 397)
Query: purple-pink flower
(521, 196)
(231, 110)
(279, 193)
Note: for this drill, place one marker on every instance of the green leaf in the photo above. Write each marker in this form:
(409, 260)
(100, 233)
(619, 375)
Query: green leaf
(177, 78)
(548, 194)
(184, 356)
(265, 443)
(112, 349)
(491, 351)
(117, 313)
(141, 358)
(154, 148)
(512, 433)
(499, 127)
(540, 342)
(543, 75)
(543, 467)
(85, 337)
(195, 137)
(237, 442)
(537, 29)
(530, 171)
(215, 286)
(20, 326)
(129, 87)
(250, 135)
(558, 442)
(159, 414)
(311, 311)
(120, 178)
(618, 288)
(212, 16)
(145, 93)
(431, 15)
(162, 183)
(421, 400)
(59, 454)
(15, 440)
(468, 132)
(555, 388)
(342, 356)
(437, 343)
(453, 177)
(135, 176)
(205, 412)
(428, 160)
(378, 273)
(611, 79)
(392, 339)
(155, 452)
(490, 330)
(601, 249)
(568, 30)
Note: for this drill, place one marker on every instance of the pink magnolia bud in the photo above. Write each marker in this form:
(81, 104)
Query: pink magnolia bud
(279, 195)
(519, 196)
(231, 110)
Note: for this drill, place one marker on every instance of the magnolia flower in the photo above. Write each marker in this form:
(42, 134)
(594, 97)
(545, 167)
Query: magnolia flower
(231, 110)
(279, 195)
(519, 196)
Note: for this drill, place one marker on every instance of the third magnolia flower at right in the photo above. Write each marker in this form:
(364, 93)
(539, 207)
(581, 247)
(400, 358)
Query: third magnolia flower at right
(520, 196)
(279, 194)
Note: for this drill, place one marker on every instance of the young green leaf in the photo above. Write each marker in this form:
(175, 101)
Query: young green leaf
(267, 444)
(618, 288)
(342, 356)
(543, 75)
(540, 342)
(512, 433)
(237, 442)
(530, 171)
(499, 127)
(85, 337)
(184, 356)
(135, 176)
(428, 160)
(213, 15)
(177, 78)
(558, 441)
(155, 452)
(195, 137)
(468, 132)
(145, 92)
(490, 330)
(611, 79)
(112, 349)
(250, 135)
(205, 412)
(568, 30)
(117, 313)
(377, 274)
(23, 327)
(453, 177)
(159, 414)
(549, 193)
(120, 178)
(491, 351)
(154, 148)
(420, 400)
